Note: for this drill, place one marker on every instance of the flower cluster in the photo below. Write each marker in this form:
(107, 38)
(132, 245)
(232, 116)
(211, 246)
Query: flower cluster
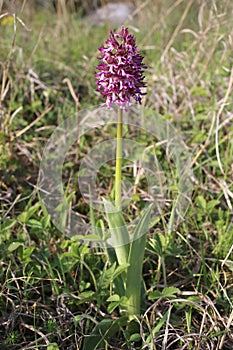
(120, 75)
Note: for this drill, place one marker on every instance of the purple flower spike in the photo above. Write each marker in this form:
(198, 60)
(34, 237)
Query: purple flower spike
(120, 75)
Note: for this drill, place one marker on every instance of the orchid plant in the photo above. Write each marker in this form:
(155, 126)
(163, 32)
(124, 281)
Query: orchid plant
(120, 79)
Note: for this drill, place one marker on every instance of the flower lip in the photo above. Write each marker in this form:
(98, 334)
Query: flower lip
(120, 72)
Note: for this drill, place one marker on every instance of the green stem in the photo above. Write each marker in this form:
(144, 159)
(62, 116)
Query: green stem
(118, 161)
(121, 251)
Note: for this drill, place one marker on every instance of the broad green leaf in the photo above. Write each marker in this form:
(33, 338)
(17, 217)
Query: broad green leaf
(53, 346)
(119, 280)
(135, 337)
(154, 295)
(211, 204)
(13, 246)
(200, 200)
(25, 253)
(34, 224)
(136, 256)
(135, 197)
(116, 301)
(119, 233)
(114, 297)
(168, 292)
(143, 225)
(86, 296)
(75, 250)
(111, 307)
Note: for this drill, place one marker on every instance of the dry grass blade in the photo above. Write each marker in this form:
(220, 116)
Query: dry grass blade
(222, 106)
(166, 333)
(228, 325)
(176, 31)
(21, 132)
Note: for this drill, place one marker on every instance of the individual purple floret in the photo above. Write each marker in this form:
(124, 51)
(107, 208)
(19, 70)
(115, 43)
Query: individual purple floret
(120, 75)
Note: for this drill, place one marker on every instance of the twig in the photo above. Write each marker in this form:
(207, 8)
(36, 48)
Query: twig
(72, 92)
(31, 328)
(21, 132)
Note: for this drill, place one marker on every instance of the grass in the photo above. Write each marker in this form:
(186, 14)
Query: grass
(55, 291)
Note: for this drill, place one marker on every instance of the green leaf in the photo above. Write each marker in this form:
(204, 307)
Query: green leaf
(211, 204)
(201, 202)
(119, 233)
(114, 297)
(27, 214)
(136, 256)
(117, 225)
(75, 250)
(8, 224)
(45, 221)
(104, 330)
(118, 281)
(53, 346)
(135, 337)
(143, 225)
(13, 246)
(111, 274)
(106, 276)
(86, 296)
(35, 224)
(113, 306)
(135, 197)
(119, 270)
(158, 244)
(25, 254)
(168, 292)
(43, 207)
(154, 295)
